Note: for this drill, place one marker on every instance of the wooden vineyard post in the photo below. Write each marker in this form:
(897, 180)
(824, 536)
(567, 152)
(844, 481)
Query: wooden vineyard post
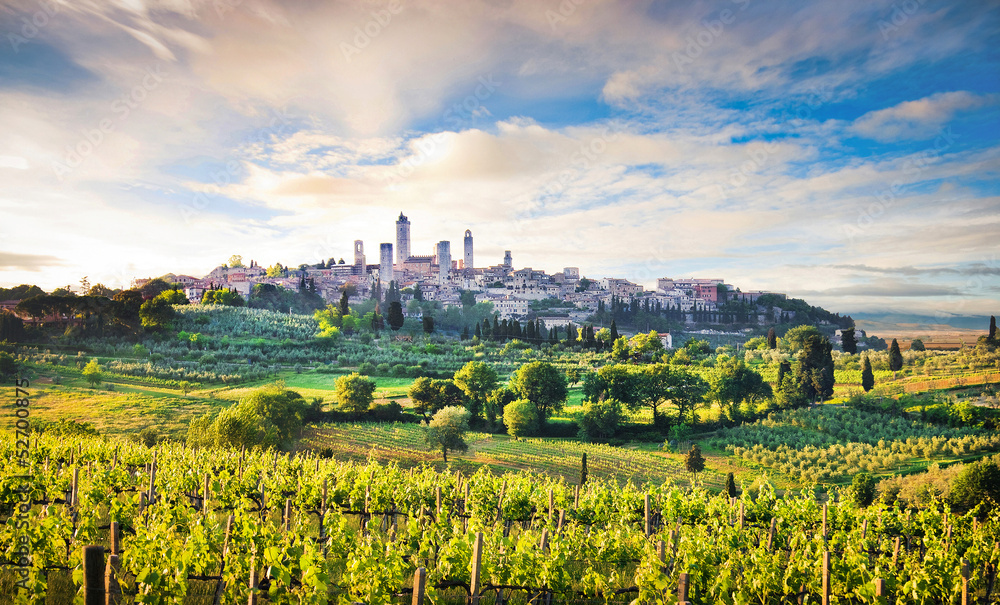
(288, 514)
(475, 585)
(947, 541)
(114, 538)
(562, 519)
(253, 582)
(551, 505)
(576, 496)
(682, 589)
(73, 489)
(826, 577)
(770, 534)
(895, 551)
(966, 574)
(881, 590)
(437, 499)
(93, 575)
(152, 481)
(221, 586)
(646, 515)
(204, 495)
(864, 529)
(419, 585)
(112, 590)
(503, 490)
(824, 522)
(742, 515)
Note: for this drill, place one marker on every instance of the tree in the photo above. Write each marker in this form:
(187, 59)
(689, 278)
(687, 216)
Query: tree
(521, 418)
(270, 416)
(795, 339)
(676, 386)
(543, 385)
(583, 468)
(428, 323)
(11, 327)
(395, 316)
(978, 482)
(848, 341)
(917, 345)
(734, 383)
(993, 329)
(731, 490)
(863, 489)
(174, 297)
(895, 357)
(447, 429)
(92, 372)
(156, 314)
(600, 419)
(345, 310)
(225, 297)
(815, 369)
(867, 376)
(354, 392)
(496, 402)
(477, 379)
(185, 387)
(614, 331)
(236, 261)
(8, 365)
(694, 462)
(772, 339)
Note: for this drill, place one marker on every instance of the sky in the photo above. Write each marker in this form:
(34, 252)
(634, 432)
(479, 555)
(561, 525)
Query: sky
(843, 152)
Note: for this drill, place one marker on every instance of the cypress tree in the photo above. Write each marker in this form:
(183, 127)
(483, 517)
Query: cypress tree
(614, 331)
(867, 376)
(479, 331)
(772, 339)
(344, 309)
(993, 328)
(731, 485)
(895, 357)
(849, 341)
(583, 468)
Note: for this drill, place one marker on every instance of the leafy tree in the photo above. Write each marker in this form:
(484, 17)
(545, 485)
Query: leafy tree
(156, 314)
(978, 482)
(867, 376)
(734, 383)
(573, 375)
(270, 416)
(354, 392)
(600, 419)
(154, 287)
(543, 385)
(772, 339)
(694, 462)
(795, 339)
(344, 308)
(100, 290)
(11, 327)
(895, 357)
(863, 489)
(225, 297)
(477, 379)
(917, 345)
(236, 261)
(521, 418)
(814, 372)
(185, 387)
(789, 393)
(423, 394)
(848, 341)
(447, 430)
(620, 349)
(8, 365)
(395, 316)
(496, 402)
(92, 372)
(173, 297)
(428, 324)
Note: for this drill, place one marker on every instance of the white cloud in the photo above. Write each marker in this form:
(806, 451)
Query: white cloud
(918, 119)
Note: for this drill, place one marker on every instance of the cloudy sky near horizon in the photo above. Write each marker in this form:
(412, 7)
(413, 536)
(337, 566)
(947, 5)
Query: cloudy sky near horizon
(844, 152)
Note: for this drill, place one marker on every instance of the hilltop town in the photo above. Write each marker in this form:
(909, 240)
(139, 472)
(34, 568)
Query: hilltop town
(440, 277)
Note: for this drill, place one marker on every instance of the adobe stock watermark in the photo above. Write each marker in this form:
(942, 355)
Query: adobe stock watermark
(31, 27)
(564, 11)
(279, 124)
(898, 17)
(122, 108)
(462, 114)
(758, 155)
(363, 36)
(886, 199)
(582, 159)
(711, 30)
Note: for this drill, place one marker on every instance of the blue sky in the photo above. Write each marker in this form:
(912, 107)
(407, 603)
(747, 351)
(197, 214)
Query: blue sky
(844, 152)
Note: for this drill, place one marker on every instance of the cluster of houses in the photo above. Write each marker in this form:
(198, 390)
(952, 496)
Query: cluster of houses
(440, 278)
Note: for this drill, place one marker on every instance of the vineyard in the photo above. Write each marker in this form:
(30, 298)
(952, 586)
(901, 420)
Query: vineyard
(404, 443)
(229, 526)
(829, 443)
